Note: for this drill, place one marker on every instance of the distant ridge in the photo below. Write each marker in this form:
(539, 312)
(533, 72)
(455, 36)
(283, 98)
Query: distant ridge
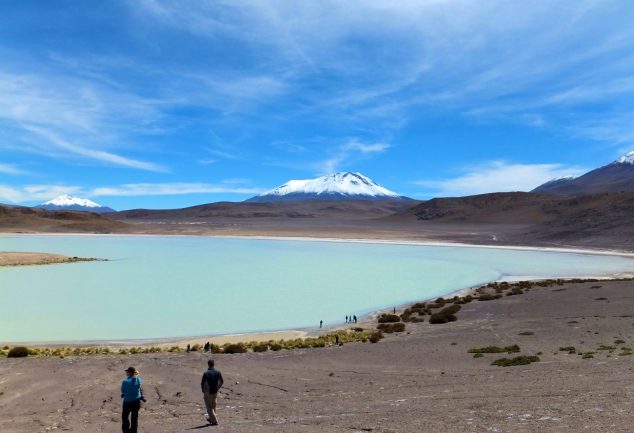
(615, 177)
(334, 187)
(68, 202)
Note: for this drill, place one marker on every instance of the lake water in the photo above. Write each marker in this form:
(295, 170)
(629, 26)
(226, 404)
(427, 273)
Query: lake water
(155, 287)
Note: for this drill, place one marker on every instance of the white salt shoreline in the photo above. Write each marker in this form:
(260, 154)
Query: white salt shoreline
(572, 250)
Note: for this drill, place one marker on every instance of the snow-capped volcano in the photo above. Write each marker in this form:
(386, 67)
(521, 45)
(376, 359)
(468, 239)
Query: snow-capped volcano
(68, 202)
(337, 186)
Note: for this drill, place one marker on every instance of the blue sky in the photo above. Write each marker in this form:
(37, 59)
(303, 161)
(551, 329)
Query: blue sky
(162, 104)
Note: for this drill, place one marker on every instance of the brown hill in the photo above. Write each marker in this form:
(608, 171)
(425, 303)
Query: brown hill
(26, 219)
(223, 211)
(615, 177)
(605, 220)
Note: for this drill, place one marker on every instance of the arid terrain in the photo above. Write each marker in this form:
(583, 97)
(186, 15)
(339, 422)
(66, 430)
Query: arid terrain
(602, 221)
(423, 379)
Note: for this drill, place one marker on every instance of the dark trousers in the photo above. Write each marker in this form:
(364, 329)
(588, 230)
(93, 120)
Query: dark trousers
(130, 410)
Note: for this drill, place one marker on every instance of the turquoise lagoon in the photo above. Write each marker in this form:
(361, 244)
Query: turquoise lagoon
(160, 287)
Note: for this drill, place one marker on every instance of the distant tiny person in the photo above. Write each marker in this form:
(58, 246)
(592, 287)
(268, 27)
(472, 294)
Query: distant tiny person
(321, 323)
(210, 385)
(189, 348)
(207, 346)
(346, 319)
(132, 395)
(355, 319)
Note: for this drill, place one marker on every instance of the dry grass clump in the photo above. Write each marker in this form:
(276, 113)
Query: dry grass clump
(496, 349)
(376, 337)
(518, 360)
(234, 348)
(447, 314)
(389, 318)
(18, 352)
(390, 328)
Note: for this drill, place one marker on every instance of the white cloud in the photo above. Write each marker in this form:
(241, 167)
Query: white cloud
(28, 193)
(366, 147)
(497, 176)
(11, 169)
(348, 152)
(94, 154)
(182, 188)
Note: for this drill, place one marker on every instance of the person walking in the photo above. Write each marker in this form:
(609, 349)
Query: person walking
(210, 385)
(132, 395)
(321, 323)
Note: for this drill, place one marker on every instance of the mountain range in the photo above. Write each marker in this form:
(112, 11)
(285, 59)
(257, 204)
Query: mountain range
(614, 177)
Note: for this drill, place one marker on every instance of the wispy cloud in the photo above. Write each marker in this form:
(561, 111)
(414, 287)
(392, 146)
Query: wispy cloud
(183, 188)
(30, 193)
(349, 152)
(12, 169)
(496, 176)
(27, 193)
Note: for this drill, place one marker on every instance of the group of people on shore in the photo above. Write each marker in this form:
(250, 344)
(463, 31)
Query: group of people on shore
(132, 395)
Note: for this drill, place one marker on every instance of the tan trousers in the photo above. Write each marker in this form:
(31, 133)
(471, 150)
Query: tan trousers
(210, 402)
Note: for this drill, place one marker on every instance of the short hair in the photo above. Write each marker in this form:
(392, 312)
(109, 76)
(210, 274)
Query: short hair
(210, 363)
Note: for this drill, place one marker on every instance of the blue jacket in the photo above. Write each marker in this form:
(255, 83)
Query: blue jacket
(131, 389)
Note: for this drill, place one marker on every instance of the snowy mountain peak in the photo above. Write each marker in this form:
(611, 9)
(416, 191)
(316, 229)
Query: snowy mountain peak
(628, 158)
(69, 200)
(336, 186)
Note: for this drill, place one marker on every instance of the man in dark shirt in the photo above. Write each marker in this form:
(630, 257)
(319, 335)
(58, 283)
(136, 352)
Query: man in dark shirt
(210, 385)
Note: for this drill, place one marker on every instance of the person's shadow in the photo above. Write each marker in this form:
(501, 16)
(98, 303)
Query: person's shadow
(199, 427)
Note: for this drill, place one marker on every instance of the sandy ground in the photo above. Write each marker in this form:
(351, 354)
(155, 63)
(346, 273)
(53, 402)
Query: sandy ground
(421, 381)
(26, 258)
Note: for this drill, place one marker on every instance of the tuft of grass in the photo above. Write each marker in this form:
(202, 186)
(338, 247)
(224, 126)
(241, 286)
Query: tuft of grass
(390, 328)
(526, 333)
(518, 360)
(389, 318)
(496, 349)
(18, 352)
(234, 348)
(376, 337)
(478, 355)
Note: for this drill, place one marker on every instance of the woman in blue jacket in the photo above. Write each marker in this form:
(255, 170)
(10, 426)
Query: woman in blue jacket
(132, 395)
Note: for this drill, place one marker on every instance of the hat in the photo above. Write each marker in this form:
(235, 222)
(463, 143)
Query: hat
(130, 370)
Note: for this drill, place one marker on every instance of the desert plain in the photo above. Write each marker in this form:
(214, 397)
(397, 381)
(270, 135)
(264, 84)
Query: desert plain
(423, 379)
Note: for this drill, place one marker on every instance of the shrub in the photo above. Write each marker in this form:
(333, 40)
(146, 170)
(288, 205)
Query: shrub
(275, 347)
(488, 297)
(262, 347)
(389, 318)
(234, 348)
(518, 360)
(18, 352)
(478, 355)
(496, 349)
(375, 337)
(391, 327)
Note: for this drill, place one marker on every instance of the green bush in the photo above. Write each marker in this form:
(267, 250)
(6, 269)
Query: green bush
(496, 349)
(518, 360)
(375, 337)
(391, 327)
(389, 318)
(234, 348)
(18, 352)
(262, 347)
(275, 347)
